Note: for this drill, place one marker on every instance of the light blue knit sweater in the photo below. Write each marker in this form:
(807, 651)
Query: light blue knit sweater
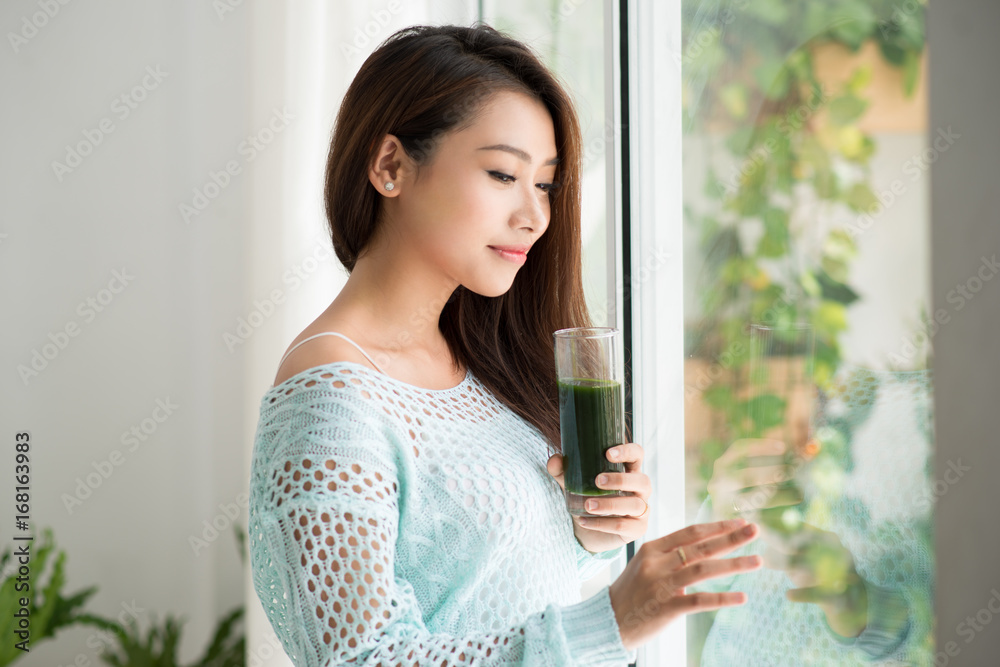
(395, 525)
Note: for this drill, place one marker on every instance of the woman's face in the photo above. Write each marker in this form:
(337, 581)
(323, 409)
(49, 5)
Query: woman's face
(486, 185)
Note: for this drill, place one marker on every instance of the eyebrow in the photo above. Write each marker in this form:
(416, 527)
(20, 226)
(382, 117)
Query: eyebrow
(515, 151)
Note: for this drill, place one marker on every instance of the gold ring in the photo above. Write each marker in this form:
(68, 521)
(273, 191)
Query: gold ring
(680, 552)
(645, 510)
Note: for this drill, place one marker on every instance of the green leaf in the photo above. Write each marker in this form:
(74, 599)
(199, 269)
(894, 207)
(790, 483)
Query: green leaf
(893, 53)
(774, 243)
(765, 411)
(734, 99)
(825, 182)
(809, 283)
(853, 22)
(846, 109)
(838, 250)
(738, 142)
(718, 396)
(714, 187)
(860, 78)
(772, 79)
(860, 198)
(750, 201)
(722, 247)
(812, 153)
(226, 645)
(831, 318)
(833, 290)
(911, 73)
(774, 12)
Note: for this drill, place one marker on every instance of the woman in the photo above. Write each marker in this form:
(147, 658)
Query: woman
(406, 503)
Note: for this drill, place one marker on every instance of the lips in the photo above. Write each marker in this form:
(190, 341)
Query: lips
(516, 254)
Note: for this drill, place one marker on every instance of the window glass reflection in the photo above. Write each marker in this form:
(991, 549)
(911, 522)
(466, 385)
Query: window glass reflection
(807, 336)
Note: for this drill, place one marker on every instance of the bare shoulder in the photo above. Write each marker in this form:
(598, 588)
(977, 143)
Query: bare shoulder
(317, 352)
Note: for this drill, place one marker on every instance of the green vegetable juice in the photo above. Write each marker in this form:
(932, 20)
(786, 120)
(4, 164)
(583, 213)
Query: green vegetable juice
(591, 423)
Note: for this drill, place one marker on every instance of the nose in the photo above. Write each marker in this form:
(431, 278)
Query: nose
(534, 212)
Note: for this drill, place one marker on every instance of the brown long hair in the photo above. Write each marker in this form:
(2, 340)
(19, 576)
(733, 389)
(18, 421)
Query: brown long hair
(421, 83)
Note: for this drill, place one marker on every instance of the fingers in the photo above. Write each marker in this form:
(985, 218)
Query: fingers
(614, 509)
(638, 483)
(720, 545)
(630, 453)
(765, 497)
(755, 476)
(753, 447)
(697, 602)
(700, 532)
(555, 467)
(710, 569)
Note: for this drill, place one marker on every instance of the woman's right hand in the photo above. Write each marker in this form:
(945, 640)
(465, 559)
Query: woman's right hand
(649, 594)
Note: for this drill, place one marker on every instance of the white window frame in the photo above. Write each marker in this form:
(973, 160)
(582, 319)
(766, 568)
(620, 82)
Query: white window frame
(654, 333)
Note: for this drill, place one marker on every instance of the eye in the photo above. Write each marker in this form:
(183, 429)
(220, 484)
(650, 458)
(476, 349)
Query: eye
(502, 177)
(547, 188)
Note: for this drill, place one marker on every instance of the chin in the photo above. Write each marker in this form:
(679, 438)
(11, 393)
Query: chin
(493, 290)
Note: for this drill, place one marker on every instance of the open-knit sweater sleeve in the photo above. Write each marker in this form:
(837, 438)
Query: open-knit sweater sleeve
(392, 525)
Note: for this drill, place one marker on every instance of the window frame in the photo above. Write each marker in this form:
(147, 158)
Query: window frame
(650, 220)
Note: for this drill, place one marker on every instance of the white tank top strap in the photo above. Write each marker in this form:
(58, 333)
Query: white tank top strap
(331, 333)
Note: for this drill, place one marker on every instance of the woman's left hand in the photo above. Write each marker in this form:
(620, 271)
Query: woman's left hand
(626, 516)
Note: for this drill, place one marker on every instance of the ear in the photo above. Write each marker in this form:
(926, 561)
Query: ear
(391, 165)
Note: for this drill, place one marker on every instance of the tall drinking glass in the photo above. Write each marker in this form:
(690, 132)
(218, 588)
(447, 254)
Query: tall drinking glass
(589, 371)
(779, 405)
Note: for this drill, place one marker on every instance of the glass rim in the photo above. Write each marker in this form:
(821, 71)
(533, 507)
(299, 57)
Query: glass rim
(586, 332)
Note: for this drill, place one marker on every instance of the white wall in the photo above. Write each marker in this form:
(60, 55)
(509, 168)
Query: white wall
(158, 337)
(226, 67)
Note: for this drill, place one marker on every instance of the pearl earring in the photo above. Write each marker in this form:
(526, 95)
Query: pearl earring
(389, 186)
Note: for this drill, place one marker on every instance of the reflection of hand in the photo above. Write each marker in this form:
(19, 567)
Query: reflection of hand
(823, 570)
(627, 516)
(750, 476)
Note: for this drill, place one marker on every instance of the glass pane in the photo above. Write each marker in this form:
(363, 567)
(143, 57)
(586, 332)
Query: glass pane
(807, 336)
(569, 37)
